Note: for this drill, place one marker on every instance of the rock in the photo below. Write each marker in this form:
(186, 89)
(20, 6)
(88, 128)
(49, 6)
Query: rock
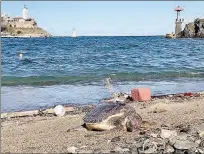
(71, 149)
(184, 145)
(201, 134)
(83, 151)
(200, 151)
(121, 150)
(115, 139)
(169, 149)
(166, 134)
(149, 150)
(194, 29)
(153, 135)
(99, 151)
(198, 142)
(182, 136)
(201, 144)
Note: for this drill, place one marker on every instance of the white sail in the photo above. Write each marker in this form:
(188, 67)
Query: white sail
(73, 33)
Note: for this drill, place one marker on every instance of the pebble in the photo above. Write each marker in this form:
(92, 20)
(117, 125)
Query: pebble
(169, 149)
(182, 136)
(115, 139)
(198, 142)
(184, 145)
(154, 135)
(71, 149)
(200, 151)
(201, 134)
(147, 151)
(166, 134)
(119, 149)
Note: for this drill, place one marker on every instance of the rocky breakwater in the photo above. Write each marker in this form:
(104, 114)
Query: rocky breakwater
(193, 30)
(9, 31)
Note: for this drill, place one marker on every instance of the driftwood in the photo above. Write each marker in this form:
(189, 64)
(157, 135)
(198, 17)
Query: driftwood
(34, 112)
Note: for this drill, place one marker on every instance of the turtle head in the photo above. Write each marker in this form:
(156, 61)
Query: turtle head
(133, 123)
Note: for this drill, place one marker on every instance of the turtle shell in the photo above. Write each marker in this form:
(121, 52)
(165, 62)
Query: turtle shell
(102, 112)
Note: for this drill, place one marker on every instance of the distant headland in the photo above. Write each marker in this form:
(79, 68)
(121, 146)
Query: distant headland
(192, 30)
(21, 26)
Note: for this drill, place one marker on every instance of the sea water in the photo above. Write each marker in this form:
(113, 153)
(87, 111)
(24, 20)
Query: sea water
(65, 70)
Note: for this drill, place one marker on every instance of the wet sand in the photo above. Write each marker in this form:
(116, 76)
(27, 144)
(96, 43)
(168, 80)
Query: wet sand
(50, 135)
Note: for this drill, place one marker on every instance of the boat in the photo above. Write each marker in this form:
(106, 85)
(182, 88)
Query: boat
(73, 33)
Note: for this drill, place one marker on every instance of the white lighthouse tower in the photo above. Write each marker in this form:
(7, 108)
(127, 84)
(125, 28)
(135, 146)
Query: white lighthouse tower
(25, 13)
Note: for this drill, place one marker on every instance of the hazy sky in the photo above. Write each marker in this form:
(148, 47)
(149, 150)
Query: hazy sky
(106, 18)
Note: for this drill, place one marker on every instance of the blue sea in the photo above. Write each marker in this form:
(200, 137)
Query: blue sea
(65, 70)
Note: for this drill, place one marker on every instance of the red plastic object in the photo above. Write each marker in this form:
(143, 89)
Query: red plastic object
(141, 94)
(188, 94)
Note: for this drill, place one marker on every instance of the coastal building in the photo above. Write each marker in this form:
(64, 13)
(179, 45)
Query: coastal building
(19, 22)
(179, 21)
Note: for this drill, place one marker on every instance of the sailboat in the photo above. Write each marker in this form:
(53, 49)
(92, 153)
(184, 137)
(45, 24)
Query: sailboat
(73, 33)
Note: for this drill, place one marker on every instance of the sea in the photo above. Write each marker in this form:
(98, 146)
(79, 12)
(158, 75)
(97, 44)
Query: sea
(65, 70)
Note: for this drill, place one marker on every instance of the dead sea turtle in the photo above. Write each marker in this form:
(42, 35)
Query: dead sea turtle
(112, 116)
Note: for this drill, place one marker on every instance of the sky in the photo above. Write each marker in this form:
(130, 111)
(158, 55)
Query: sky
(106, 18)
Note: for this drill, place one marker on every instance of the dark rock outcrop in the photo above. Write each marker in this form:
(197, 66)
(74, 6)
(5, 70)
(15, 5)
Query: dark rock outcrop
(193, 30)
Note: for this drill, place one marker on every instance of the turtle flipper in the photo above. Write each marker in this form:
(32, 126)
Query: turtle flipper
(77, 128)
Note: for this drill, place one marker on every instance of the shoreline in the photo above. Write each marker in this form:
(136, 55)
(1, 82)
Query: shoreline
(76, 107)
(50, 133)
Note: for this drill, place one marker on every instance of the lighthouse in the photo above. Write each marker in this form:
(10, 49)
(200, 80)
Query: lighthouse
(179, 21)
(25, 13)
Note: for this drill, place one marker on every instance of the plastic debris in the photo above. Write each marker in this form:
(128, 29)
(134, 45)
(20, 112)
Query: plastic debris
(59, 110)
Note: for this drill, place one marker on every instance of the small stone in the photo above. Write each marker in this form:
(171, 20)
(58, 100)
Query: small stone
(115, 139)
(198, 142)
(169, 149)
(71, 149)
(83, 151)
(154, 135)
(200, 151)
(168, 133)
(182, 136)
(201, 134)
(119, 149)
(184, 145)
(147, 151)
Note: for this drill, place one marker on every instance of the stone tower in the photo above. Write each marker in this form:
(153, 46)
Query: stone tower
(25, 13)
(179, 21)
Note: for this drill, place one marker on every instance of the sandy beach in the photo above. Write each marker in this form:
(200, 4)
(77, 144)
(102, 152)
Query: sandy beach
(49, 134)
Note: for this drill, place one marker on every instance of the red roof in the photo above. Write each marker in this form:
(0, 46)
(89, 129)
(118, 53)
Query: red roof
(178, 9)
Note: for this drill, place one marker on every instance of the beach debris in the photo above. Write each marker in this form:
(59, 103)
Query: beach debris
(59, 110)
(40, 112)
(166, 134)
(190, 94)
(71, 149)
(19, 114)
(113, 116)
(141, 94)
